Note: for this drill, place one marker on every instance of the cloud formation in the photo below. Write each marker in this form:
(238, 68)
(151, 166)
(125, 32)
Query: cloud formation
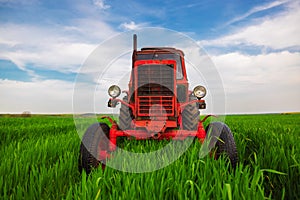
(278, 32)
(101, 4)
(257, 9)
(49, 96)
(131, 26)
(59, 48)
(244, 73)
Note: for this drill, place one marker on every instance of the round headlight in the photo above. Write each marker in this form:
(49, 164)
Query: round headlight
(114, 91)
(199, 91)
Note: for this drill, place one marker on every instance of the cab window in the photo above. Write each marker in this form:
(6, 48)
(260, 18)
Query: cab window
(165, 56)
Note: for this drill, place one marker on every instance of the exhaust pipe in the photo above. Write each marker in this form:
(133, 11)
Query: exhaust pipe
(134, 49)
(134, 42)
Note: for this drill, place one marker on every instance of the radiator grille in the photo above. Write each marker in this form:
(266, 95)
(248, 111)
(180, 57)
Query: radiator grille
(162, 105)
(155, 88)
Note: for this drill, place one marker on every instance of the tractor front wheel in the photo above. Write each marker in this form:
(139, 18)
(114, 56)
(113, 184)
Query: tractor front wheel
(125, 117)
(221, 136)
(190, 117)
(94, 142)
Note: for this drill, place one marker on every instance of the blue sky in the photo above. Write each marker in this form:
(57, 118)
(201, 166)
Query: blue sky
(255, 46)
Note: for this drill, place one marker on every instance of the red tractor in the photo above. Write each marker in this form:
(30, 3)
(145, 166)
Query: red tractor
(158, 105)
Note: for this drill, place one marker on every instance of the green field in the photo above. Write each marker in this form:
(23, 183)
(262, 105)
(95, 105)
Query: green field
(39, 159)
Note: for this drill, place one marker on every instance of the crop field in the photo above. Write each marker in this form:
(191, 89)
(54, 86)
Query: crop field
(39, 160)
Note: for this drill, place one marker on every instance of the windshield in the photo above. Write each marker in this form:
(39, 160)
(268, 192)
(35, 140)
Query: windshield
(165, 56)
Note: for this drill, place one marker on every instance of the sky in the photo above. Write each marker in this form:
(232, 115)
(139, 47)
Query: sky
(44, 45)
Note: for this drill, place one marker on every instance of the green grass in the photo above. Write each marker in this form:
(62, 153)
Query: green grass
(39, 158)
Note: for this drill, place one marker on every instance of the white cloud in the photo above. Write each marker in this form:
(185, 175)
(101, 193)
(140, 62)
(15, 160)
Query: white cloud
(61, 48)
(278, 32)
(261, 82)
(132, 26)
(257, 9)
(278, 68)
(50, 96)
(101, 4)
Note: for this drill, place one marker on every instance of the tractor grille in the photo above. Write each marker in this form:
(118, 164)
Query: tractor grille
(155, 90)
(160, 106)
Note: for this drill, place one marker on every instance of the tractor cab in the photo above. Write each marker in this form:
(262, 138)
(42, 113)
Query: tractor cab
(166, 53)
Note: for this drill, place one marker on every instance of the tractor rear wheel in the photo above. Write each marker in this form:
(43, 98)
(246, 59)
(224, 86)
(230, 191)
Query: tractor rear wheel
(125, 117)
(94, 141)
(190, 117)
(221, 136)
